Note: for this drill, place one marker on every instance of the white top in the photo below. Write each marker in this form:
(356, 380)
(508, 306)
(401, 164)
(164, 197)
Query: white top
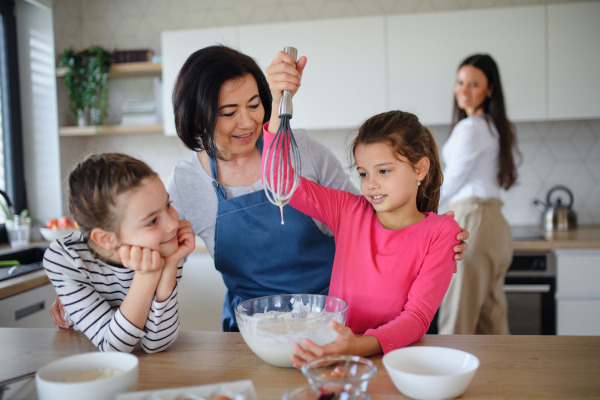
(471, 161)
(92, 291)
(193, 196)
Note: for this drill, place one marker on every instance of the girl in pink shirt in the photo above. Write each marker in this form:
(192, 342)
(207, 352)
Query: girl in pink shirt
(394, 256)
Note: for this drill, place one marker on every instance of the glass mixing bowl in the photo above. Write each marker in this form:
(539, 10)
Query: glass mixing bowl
(332, 392)
(271, 325)
(353, 370)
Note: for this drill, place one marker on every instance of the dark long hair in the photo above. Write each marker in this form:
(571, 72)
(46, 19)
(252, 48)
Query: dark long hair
(196, 93)
(495, 111)
(405, 135)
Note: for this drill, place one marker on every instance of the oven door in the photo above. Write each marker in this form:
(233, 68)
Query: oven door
(531, 305)
(530, 287)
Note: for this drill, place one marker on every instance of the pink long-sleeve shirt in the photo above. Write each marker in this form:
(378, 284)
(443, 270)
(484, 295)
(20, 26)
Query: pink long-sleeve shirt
(393, 280)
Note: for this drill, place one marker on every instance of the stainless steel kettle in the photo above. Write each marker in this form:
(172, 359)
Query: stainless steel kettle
(557, 217)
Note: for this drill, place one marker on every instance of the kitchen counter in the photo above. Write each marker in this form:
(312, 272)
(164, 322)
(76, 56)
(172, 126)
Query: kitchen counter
(515, 367)
(22, 283)
(584, 237)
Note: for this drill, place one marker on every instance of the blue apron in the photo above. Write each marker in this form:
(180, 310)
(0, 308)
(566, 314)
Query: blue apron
(258, 256)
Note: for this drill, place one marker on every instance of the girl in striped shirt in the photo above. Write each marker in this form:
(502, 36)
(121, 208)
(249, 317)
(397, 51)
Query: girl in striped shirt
(117, 276)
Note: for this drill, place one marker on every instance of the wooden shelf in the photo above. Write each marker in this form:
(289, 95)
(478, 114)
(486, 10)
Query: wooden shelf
(107, 130)
(127, 70)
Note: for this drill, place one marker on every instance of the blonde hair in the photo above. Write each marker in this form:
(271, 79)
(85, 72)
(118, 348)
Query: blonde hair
(95, 185)
(405, 135)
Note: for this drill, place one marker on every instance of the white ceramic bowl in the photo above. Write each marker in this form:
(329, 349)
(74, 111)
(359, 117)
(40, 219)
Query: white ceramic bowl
(430, 373)
(53, 234)
(50, 379)
(271, 325)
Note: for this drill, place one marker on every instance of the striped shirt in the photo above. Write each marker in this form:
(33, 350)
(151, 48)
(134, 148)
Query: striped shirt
(91, 292)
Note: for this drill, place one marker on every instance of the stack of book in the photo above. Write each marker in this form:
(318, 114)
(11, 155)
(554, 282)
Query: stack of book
(139, 113)
(144, 112)
(124, 56)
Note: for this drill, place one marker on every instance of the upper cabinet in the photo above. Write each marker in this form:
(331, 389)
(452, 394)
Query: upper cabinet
(358, 67)
(573, 60)
(344, 82)
(425, 51)
(177, 46)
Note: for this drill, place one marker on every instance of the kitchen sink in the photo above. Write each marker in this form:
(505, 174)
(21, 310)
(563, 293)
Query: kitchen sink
(29, 259)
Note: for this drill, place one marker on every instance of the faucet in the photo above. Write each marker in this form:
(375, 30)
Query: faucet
(9, 205)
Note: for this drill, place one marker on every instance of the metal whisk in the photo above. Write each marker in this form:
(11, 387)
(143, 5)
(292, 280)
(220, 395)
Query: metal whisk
(276, 181)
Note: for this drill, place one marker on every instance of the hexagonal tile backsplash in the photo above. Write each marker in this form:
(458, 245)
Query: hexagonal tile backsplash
(563, 152)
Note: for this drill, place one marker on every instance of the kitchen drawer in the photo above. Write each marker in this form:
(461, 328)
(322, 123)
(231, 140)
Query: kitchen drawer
(578, 317)
(28, 309)
(578, 273)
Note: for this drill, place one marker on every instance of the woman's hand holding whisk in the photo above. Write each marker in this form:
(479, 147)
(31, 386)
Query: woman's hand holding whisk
(283, 74)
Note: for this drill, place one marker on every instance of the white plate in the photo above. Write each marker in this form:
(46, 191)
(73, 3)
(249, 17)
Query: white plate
(237, 390)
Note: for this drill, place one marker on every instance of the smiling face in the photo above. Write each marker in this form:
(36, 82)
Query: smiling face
(241, 114)
(147, 218)
(471, 89)
(389, 182)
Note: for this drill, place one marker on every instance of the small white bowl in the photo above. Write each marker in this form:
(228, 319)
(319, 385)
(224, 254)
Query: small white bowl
(50, 380)
(52, 234)
(430, 373)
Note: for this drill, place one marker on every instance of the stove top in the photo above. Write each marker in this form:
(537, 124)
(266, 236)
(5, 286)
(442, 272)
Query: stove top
(526, 232)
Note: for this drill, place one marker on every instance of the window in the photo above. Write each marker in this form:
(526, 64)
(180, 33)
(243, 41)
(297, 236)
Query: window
(11, 153)
(3, 58)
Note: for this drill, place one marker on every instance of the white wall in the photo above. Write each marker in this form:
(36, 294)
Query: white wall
(565, 152)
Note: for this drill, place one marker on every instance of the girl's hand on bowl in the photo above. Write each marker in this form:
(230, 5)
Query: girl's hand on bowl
(284, 74)
(140, 259)
(345, 343)
(186, 240)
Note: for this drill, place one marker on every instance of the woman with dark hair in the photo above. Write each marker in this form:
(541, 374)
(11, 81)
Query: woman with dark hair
(221, 101)
(479, 163)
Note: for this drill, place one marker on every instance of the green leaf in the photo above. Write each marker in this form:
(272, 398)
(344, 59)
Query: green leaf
(87, 79)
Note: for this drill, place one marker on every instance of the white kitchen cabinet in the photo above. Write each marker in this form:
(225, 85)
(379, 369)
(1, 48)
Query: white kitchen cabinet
(344, 82)
(28, 309)
(578, 292)
(573, 59)
(201, 294)
(425, 51)
(177, 46)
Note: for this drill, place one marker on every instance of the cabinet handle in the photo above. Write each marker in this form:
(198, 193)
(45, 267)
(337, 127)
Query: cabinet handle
(583, 296)
(527, 288)
(32, 309)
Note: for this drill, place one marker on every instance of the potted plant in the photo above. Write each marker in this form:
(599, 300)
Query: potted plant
(86, 79)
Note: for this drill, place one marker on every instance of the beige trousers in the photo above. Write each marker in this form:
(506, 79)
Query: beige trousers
(475, 302)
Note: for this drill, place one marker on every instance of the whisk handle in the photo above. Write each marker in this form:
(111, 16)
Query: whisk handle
(285, 105)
